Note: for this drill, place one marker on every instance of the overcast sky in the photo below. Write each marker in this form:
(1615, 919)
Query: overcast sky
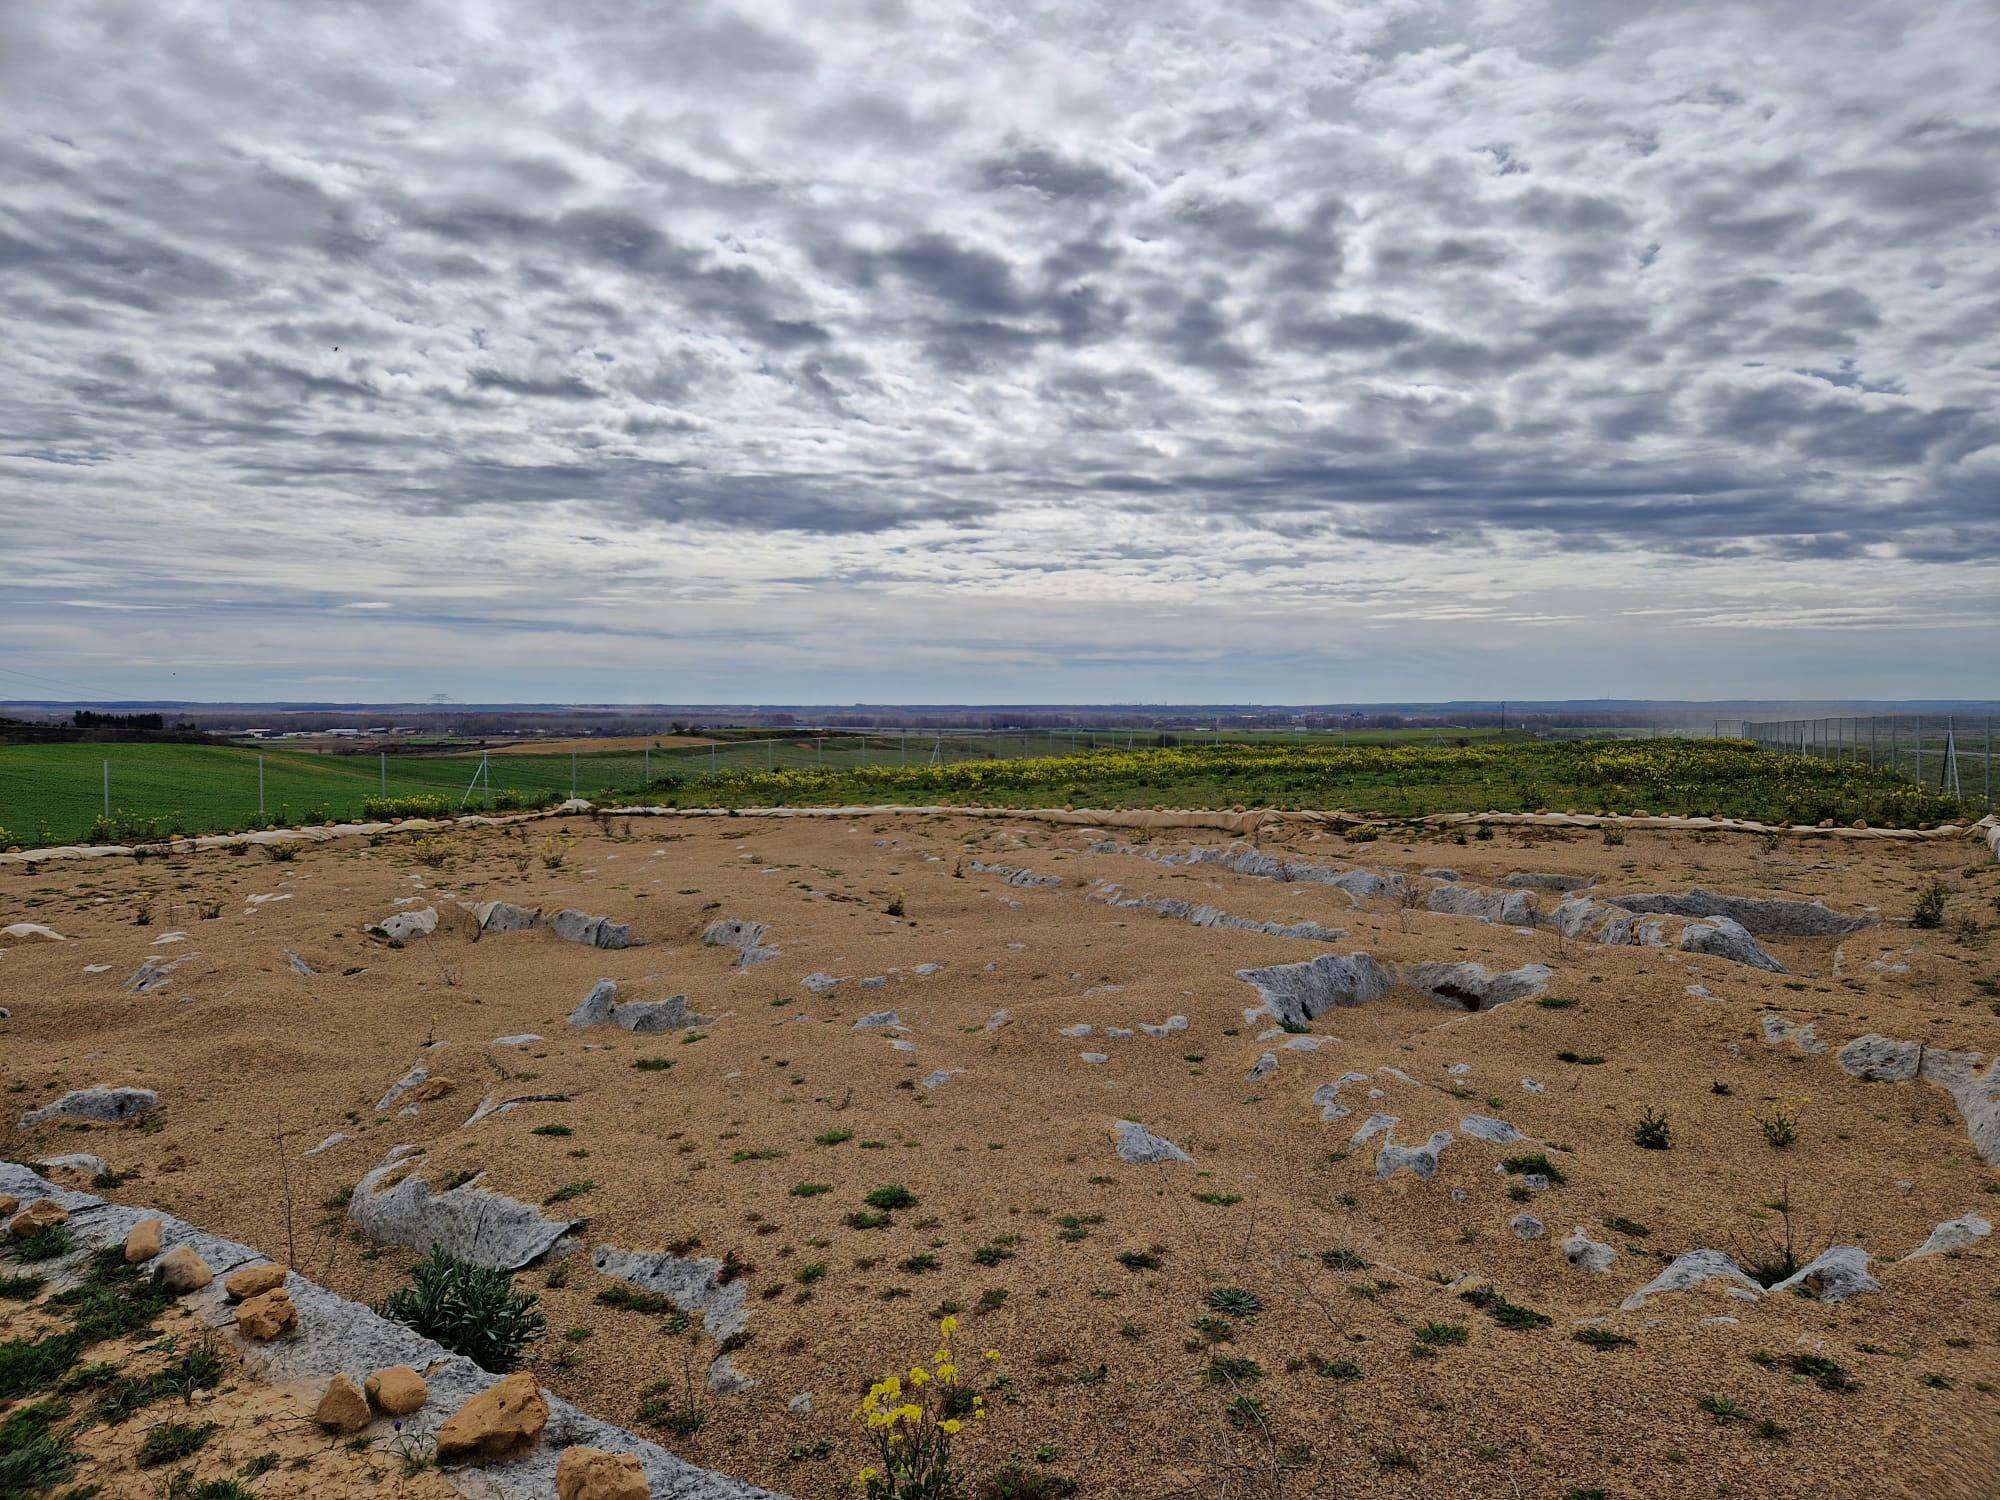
(993, 350)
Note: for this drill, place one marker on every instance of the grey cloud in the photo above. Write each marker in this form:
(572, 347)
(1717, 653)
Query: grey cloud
(1091, 298)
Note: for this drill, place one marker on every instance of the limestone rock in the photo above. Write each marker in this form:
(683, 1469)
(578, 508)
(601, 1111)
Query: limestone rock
(253, 1281)
(500, 1424)
(35, 931)
(182, 1271)
(433, 1088)
(1587, 1254)
(343, 1408)
(1722, 937)
(1298, 993)
(1469, 985)
(1692, 1270)
(746, 937)
(505, 916)
(1140, 1147)
(1422, 1160)
(1527, 1227)
(1835, 1274)
(1766, 916)
(266, 1316)
(595, 932)
(1487, 1128)
(469, 1221)
(142, 1241)
(1953, 1234)
(602, 1007)
(398, 1390)
(405, 925)
(81, 1163)
(1508, 908)
(43, 1213)
(1263, 1068)
(8, 1205)
(110, 1106)
(593, 1474)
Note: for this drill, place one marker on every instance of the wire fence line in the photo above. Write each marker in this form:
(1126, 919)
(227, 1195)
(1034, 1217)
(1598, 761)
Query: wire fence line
(127, 788)
(1950, 753)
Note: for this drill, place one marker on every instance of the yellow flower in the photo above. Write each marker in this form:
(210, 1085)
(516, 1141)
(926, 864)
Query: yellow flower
(912, 1414)
(947, 1373)
(993, 1356)
(948, 1327)
(919, 1375)
(866, 1477)
(949, 1425)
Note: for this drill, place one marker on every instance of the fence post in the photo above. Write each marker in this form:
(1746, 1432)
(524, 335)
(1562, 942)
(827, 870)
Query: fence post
(383, 756)
(260, 786)
(486, 771)
(770, 755)
(572, 775)
(649, 765)
(711, 758)
(107, 791)
(1989, 763)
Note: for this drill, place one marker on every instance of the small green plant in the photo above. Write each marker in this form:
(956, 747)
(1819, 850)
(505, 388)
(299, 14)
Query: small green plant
(654, 1304)
(892, 1197)
(23, 1288)
(551, 1130)
(46, 1243)
(571, 1190)
(1342, 1260)
(898, 899)
(1778, 1121)
(1581, 1059)
(1723, 1409)
(1443, 1335)
(471, 1309)
(810, 1189)
(1139, 1260)
(553, 849)
(832, 1137)
(1828, 1374)
(1336, 1369)
(653, 1064)
(1232, 1370)
(431, 850)
(1928, 913)
(172, 1441)
(1653, 1132)
(1236, 1301)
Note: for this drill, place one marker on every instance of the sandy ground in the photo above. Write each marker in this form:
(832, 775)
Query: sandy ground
(263, 1435)
(1021, 1199)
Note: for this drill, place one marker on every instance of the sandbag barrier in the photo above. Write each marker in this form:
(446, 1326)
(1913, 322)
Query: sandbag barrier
(1243, 822)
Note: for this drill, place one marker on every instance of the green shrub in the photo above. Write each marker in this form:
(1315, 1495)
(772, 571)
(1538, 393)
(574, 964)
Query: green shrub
(470, 1309)
(172, 1441)
(406, 805)
(1928, 913)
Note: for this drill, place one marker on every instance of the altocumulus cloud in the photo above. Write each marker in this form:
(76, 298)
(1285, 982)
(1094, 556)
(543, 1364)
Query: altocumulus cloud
(620, 350)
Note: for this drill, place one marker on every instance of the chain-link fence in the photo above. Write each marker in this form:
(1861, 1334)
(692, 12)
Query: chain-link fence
(1953, 754)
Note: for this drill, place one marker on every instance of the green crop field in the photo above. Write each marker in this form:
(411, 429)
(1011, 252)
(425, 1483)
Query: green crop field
(56, 793)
